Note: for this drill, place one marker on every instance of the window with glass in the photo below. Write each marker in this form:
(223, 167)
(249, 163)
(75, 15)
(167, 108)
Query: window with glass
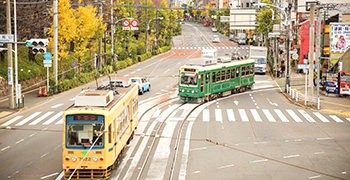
(233, 73)
(83, 130)
(189, 79)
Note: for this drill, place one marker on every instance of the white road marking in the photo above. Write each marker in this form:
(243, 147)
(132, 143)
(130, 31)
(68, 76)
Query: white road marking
(183, 170)
(324, 138)
(256, 115)
(257, 161)
(72, 99)
(218, 115)
(348, 119)
(19, 141)
(336, 119)
(41, 118)
(57, 105)
(50, 175)
(321, 117)
(243, 115)
(314, 177)
(226, 166)
(268, 115)
(291, 156)
(306, 116)
(3, 149)
(293, 115)
(53, 118)
(321, 152)
(196, 172)
(11, 121)
(27, 119)
(205, 115)
(157, 113)
(44, 156)
(59, 121)
(59, 177)
(230, 115)
(281, 115)
(198, 149)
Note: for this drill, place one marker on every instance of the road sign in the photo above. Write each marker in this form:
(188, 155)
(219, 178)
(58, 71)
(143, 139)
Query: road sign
(303, 66)
(47, 63)
(134, 23)
(274, 35)
(126, 23)
(47, 55)
(6, 38)
(295, 56)
(126, 28)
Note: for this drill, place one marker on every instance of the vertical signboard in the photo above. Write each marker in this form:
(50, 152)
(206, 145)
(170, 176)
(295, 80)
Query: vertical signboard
(332, 83)
(339, 40)
(344, 83)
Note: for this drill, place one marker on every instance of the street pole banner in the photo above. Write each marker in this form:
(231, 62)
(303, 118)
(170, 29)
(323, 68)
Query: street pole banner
(340, 37)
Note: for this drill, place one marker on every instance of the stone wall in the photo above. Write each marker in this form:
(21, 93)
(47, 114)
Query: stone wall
(3, 87)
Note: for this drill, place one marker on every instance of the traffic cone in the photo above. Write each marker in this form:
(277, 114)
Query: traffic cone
(45, 91)
(40, 92)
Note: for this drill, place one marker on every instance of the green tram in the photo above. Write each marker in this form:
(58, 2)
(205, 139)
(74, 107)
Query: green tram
(200, 83)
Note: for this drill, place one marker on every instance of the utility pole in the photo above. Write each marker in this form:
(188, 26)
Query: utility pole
(288, 36)
(9, 57)
(17, 89)
(112, 32)
(311, 47)
(55, 39)
(100, 41)
(146, 20)
(318, 48)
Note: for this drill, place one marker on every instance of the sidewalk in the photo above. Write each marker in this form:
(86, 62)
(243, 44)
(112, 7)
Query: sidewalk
(331, 103)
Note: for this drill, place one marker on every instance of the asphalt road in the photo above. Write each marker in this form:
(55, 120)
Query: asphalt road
(257, 134)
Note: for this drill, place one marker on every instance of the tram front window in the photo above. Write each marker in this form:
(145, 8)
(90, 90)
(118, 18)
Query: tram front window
(188, 79)
(83, 135)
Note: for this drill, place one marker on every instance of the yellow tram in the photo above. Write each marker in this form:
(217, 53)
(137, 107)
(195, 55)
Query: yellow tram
(96, 130)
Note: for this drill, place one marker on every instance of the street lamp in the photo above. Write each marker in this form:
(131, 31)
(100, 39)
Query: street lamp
(147, 28)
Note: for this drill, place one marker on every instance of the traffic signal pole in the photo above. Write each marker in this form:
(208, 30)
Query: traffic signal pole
(55, 39)
(9, 57)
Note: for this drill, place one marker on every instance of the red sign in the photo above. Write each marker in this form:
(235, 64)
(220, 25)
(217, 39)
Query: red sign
(134, 23)
(126, 23)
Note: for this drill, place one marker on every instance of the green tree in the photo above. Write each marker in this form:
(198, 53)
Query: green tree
(264, 19)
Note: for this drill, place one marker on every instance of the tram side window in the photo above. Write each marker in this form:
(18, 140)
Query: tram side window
(207, 78)
(252, 69)
(217, 76)
(228, 74)
(233, 73)
(237, 72)
(247, 70)
(243, 71)
(110, 133)
(223, 73)
(214, 77)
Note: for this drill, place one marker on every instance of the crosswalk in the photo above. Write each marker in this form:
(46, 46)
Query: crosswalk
(37, 118)
(206, 115)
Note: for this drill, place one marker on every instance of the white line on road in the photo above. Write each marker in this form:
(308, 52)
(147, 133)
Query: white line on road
(53, 174)
(183, 170)
(57, 105)
(198, 149)
(268, 115)
(53, 118)
(230, 115)
(59, 177)
(11, 121)
(257, 161)
(321, 117)
(320, 152)
(314, 177)
(3, 149)
(19, 141)
(293, 115)
(306, 116)
(205, 115)
(281, 115)
(291, 156)
(218, 115)
(41, 118)
(226, 166)
(336, 119)
(324, 138)
(27, 119)
(243, 114)
(43, 155)
(256, 115)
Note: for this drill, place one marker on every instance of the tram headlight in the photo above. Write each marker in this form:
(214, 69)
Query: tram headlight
(192, 91)
(74, 158)
(95, 158)
(182, 90)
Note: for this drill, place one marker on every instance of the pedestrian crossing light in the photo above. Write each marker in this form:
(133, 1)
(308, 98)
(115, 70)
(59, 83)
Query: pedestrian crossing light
(38, 45)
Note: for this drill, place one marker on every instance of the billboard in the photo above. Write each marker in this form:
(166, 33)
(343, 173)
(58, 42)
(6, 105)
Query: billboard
(340, 37)
(344, 83)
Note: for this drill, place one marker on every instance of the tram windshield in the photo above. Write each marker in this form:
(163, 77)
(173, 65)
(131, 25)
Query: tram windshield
(84, 131)
(189, 79)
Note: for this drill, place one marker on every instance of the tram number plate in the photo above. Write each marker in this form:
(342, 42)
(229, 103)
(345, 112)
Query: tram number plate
(86, 159)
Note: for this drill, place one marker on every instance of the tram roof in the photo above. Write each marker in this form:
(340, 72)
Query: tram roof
(218, 65)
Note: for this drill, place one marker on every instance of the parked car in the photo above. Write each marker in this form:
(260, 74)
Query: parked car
(143, 84)
(216, 39)
(214, 29)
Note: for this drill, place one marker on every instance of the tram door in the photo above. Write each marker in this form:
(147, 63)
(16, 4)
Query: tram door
(202, 85)
(207, 80)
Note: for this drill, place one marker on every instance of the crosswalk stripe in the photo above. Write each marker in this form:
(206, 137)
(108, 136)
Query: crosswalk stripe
(205, 115)
(293, 115)
(321, 117)
(336, 119)
(281, 115)
(230, 115)
(27, 119)
(306, 115)
(41, 118)
(268, 115)
(243, 115)
(53, 118)
(256, 115)
(348, 119)
(11, 121)
(218, 115)
(59, 121)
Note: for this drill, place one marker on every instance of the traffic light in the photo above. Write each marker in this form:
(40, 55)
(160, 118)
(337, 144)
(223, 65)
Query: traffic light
(38, 45)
